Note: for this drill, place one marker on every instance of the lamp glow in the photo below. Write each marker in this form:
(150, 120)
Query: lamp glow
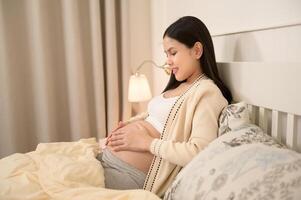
(139, 89)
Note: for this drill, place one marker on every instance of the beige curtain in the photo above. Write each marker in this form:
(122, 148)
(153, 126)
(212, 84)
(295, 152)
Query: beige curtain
(62, 69)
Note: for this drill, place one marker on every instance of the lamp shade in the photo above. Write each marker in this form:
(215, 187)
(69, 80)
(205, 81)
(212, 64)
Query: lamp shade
(139, 89)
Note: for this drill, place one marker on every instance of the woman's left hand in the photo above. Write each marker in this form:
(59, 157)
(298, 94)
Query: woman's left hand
(131, 138)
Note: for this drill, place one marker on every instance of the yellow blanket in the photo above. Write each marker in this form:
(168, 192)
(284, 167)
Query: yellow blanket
(64, 170)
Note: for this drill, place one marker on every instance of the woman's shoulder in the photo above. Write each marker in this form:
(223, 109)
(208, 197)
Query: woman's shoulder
(207, 88)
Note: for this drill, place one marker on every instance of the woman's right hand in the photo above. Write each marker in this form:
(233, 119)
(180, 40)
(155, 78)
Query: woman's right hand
(131, 138)
(103, 142)
(120, 125)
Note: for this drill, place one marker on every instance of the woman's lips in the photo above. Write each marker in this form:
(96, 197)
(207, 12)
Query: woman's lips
(174, 70)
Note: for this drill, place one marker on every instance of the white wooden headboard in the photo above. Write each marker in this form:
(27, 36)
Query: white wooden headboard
(273, 94)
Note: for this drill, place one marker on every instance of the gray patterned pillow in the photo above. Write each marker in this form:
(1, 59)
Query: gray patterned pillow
(242, 164)
(233, 117)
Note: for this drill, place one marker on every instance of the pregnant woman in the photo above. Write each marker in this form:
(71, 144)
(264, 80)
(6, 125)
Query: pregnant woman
(150, 149)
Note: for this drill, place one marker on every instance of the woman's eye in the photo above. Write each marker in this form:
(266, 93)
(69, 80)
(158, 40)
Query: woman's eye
(170, 54)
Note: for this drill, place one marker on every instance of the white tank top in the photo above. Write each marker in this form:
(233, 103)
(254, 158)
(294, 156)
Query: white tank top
(158, 109)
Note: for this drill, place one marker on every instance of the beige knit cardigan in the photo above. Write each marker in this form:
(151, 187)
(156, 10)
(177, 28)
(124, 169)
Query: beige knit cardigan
(191, 125)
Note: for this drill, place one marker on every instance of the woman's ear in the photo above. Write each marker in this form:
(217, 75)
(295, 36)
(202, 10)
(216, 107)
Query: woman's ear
(198, 50)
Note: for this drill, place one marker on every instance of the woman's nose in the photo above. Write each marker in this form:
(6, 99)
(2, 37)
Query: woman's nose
(168, 61)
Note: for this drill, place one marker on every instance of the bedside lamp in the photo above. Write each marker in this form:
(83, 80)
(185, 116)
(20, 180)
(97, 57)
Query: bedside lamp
(139, 89)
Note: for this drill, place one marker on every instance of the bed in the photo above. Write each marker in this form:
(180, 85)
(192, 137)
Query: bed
(256, 156)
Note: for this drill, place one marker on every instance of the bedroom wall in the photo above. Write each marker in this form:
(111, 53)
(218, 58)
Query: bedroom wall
(242, 31)
(139, 40)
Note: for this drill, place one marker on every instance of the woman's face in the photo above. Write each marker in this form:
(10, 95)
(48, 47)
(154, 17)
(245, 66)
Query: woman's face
(183, 61)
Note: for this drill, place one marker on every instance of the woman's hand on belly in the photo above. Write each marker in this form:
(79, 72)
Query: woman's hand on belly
(133, 137)
(120, 125)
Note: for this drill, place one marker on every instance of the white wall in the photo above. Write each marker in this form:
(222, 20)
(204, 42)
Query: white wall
(273, 45)
(259, 31)
(140, 35)
(139, 40)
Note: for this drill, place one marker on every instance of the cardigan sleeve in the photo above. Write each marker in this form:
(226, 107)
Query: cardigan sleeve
(204, 130)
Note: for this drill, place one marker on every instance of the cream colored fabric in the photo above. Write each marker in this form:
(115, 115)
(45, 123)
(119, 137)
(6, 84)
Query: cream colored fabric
(192, 125)
(66, 170)
(60, 71)
(198, 126)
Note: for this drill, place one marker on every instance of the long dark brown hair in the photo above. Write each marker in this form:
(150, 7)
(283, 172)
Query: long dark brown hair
(188, 30)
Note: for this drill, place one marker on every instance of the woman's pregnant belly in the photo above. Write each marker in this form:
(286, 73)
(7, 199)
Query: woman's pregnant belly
(139, 160)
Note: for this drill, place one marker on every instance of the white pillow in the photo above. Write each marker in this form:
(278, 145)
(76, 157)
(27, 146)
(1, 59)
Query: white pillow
(245, 163)
(233, 117)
